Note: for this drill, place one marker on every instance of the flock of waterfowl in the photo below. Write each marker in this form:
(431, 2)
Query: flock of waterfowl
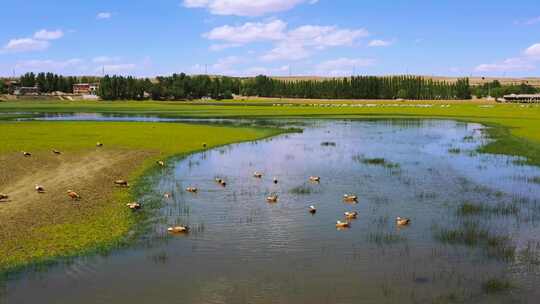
(272, 198)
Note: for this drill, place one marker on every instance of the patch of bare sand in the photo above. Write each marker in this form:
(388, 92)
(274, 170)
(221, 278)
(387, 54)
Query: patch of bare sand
(89, 173)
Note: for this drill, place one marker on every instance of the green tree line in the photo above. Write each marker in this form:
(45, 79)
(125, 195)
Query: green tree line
(49, 82)
(496, 89)
(361, 87)
(175, 87)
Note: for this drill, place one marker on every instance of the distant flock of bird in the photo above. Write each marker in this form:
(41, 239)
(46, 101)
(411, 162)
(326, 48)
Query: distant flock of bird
(272, 198)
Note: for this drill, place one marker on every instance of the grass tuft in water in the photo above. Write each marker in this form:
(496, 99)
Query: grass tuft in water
(376, 162)
(470, 234)
(384, 238)
(328, 144)
(470, 208)
(496, 285)
(454, 150)
(301, 190)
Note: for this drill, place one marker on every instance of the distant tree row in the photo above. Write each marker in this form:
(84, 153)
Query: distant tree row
(175, 87)
(49, 82)
(496, 89)
(361, 87)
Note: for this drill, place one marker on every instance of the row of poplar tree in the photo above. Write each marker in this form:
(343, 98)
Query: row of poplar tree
(49, 82)
(175, 87)
(361, 87)
(182, 86)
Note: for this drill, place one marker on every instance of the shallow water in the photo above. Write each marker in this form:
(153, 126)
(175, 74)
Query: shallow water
(245, 250)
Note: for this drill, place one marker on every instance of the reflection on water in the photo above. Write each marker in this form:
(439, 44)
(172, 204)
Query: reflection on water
(245, 250)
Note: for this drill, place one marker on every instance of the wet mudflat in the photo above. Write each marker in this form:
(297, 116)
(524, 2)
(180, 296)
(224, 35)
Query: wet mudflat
(473, 235)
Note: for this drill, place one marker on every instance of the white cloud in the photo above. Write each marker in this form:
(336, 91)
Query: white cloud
(26, 45)
(223, 46)
(526, 62)
(380, 43)
(533, 50)
(343, 66)
(294, 44)
(104, 15)
(48, 35)
(301, 42)
(226, 65)
(248, 32)
(117, 68)
(49, 65)
(508, 65)
(286, 51)
(245, 7)
(105, 59)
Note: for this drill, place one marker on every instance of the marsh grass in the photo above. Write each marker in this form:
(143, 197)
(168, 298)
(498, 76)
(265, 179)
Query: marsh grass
(534, 180)
(328, 144)
(301, 190)
(385, 238)
(501, 209)
(472, 235)
(378, 161)
(496, 285)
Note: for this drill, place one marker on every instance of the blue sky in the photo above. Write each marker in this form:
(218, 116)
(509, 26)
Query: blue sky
(275, 37)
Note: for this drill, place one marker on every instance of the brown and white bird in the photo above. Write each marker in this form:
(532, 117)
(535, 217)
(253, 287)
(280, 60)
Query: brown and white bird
(167, 195)
(192, 189)
(122, 183)
(134, 206)
(54, 151)
(351, 214)
(275, 180)
(99, 145)
(340, 224)
(350, 198)
(161, 163)
(26, 154)
(402, 221)
(40, 189)
(315, 179)
(178, 229)
(73, 195)
(221, 181)
(257, 174)
(312, 209)
(272, 198)
(3, 196)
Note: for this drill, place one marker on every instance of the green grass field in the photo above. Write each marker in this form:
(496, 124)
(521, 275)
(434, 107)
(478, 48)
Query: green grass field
(516, 130)
(32, 239)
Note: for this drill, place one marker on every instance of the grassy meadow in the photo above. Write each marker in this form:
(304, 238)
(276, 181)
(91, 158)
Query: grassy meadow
(101, 221)
(49, 225)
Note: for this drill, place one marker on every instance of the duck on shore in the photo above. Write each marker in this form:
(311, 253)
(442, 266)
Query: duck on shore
(134, 206)
(40, 189)
(160, 163)
(73, 195)
(121, 182)
(26, 154)
(3, 196)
